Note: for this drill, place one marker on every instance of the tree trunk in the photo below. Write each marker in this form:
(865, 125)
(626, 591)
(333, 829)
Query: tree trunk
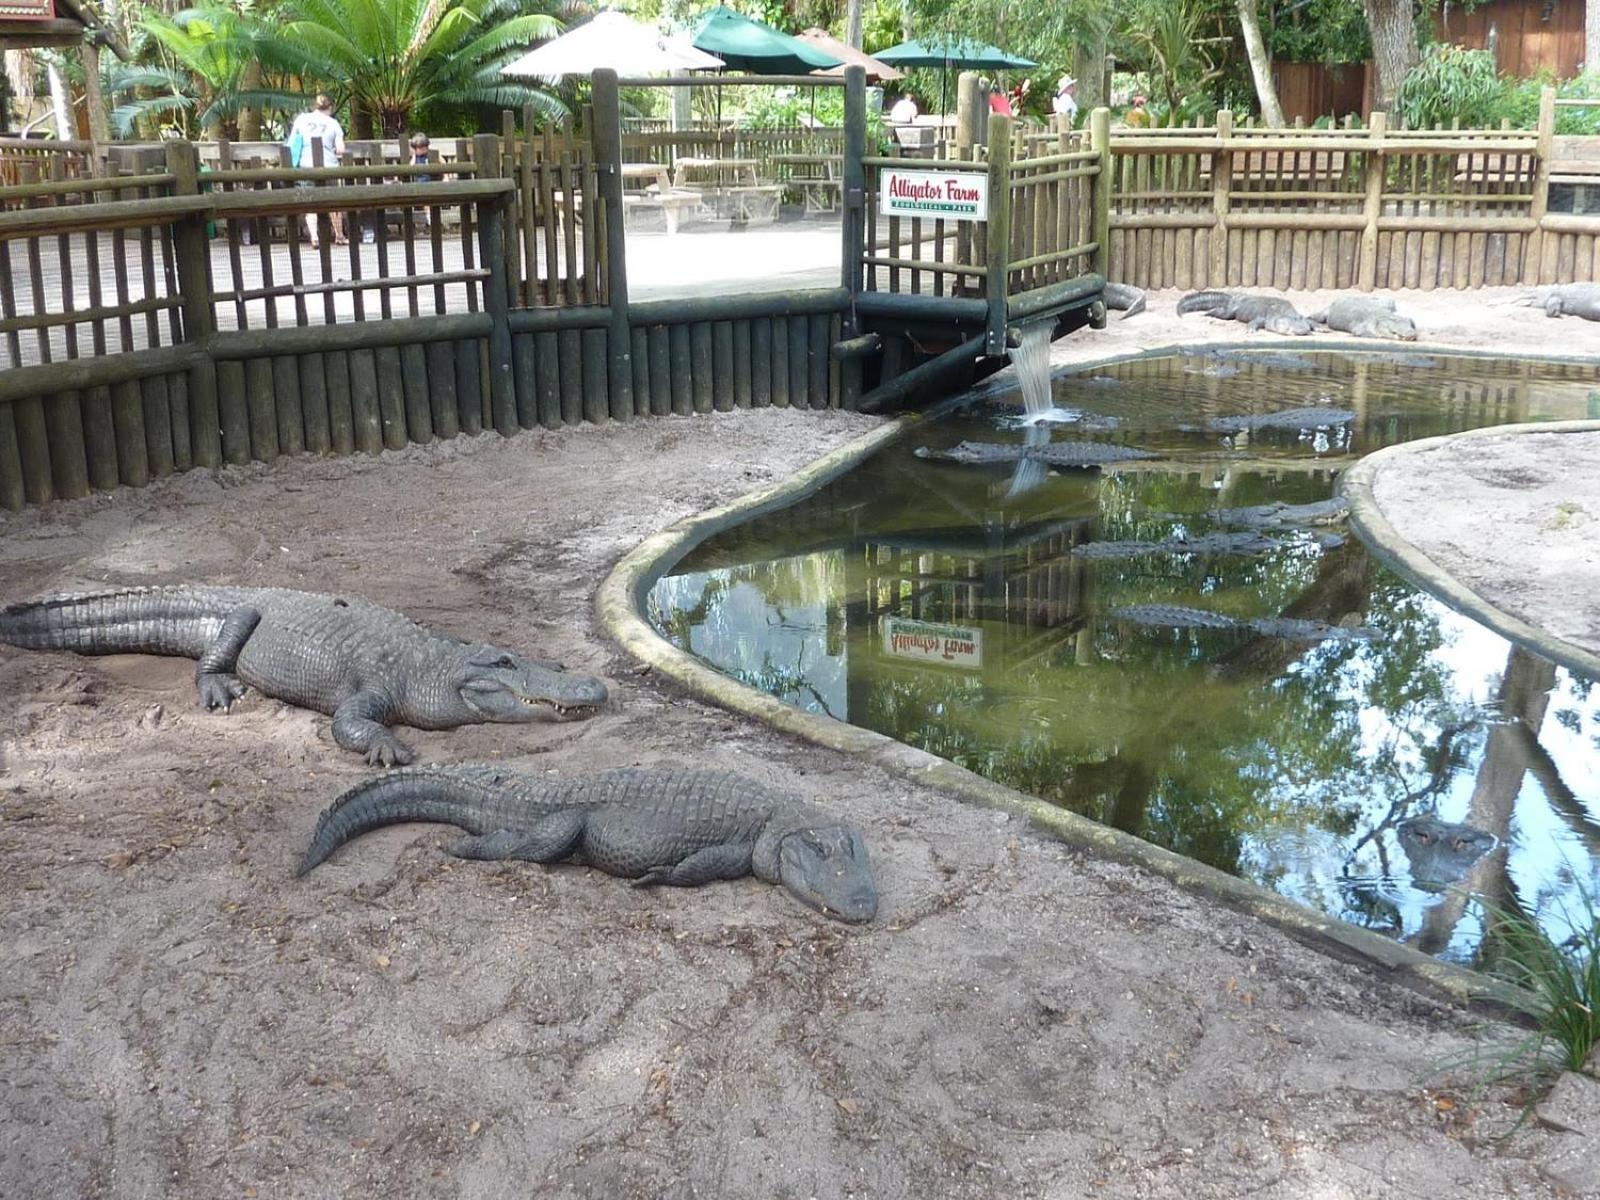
(95, 101)
(1591, 38)
(60, 103)
(1394, 47)
(249, 117)
(1089, 68)
(1260, 64)
(852, 22)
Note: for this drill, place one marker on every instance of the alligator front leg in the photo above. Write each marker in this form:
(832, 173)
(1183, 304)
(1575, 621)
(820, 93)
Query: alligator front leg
(358, 724)
(214, 675)
(703, 866)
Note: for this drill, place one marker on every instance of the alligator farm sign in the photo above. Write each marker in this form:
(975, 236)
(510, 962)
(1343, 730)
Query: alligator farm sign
(27, 10)
(950, 195)
(923, 641)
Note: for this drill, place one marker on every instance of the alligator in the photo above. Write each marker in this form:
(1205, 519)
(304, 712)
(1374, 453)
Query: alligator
(1566, 300)
(1288, 418)
(1205, 543)
(1278, 360)
(1295, 629)
(1369, 317)
(1056, 454)
(675, 826)
(1279, 515)
(1272, 313)
(1441, 852)
(1125, 297)
(367, 667)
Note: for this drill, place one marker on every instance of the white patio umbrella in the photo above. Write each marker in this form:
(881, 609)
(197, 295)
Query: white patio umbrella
(613, 40)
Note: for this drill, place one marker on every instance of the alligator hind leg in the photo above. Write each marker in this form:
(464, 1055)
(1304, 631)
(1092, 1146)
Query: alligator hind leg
(551, 840)
(219, 687)
(358, 725)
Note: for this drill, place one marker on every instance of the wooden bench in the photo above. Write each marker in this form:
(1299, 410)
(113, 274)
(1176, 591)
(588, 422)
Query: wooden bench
(675, 206)
(754, 205)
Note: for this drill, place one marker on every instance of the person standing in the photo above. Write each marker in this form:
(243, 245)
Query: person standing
(904, 111)
(319, 125)
(1137, 117)
(1065, 103)
(998, 102)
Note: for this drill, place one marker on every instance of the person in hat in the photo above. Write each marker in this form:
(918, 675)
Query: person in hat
(1137, 117)
(1065, 103)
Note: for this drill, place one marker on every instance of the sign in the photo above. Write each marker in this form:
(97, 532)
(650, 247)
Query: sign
(952, 195)
(27, 10)
(923, 641)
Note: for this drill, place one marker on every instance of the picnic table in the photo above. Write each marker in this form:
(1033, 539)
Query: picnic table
(815, 176)
(653, 191)
(734, 179)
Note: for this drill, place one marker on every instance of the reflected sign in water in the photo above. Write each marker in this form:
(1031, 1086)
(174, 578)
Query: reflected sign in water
(1294, 764)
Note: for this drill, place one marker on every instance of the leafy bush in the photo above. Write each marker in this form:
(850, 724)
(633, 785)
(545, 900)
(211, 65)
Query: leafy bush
(1561, 983)
(1519, 102)
(1450, 83)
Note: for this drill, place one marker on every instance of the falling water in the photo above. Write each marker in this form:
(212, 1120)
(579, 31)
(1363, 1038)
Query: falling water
(1032, 359)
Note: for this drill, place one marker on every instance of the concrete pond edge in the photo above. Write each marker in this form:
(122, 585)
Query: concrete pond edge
(1403, 557)
(620, 606)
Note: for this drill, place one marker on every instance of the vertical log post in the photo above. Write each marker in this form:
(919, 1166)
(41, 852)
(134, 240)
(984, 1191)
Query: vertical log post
(1533, 253)
(192, 259)
(998, 231)
(496, 299)
(1100, 143)
(967, 98)
(854, 189)
(606, 138)
(1377, 168)
(1221, 185)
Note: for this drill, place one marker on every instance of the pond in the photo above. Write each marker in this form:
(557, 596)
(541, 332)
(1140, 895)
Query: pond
(952, 606)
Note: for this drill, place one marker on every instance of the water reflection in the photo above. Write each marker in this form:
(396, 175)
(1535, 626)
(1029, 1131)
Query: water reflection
(942, 604)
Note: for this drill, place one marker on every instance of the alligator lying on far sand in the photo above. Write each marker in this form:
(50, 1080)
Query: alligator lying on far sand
(1287, 418)
(1272, 313)
(1056, 454)
(673, 826)
(1566, 300)
(366, 666)
(1294, 629)
(1205, 543)
(1123, 296)
(1440, 852)
(1369, 317)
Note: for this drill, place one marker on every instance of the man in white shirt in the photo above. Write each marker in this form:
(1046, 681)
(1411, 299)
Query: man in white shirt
(319, 125)
(1065, 103)
(904, 111)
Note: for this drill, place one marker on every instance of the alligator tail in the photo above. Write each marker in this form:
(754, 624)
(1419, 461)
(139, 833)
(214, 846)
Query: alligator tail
(157, 620)
(468, 798)
(1202, 302)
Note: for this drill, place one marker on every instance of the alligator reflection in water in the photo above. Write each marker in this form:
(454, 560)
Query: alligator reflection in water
(944, 607)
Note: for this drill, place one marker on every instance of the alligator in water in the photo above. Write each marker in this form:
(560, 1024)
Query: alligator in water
(367, 667)
(1205, 543)
(1566, 300)
(1056, 454)
(1272, 313)
(1295, 629)
(1123, 296)
(673, 826)
(1279, 515)
(1368, 317)
(1441, 852)
(1288, 418)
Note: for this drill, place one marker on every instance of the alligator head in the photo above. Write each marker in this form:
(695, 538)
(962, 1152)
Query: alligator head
(1286, 323)
(1387, 325)
(497, 685)
(1441, 852)
(826, 868)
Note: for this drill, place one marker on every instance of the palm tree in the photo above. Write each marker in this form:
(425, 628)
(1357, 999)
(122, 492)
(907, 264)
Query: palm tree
(392, 59)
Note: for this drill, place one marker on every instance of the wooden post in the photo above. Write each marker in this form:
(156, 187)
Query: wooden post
(998, 230)
(967, 97)
(496, 300)
(606, 139)
(1100, 143)
(854, 188)
(1221, 185)
(192, 260)
(1377, 168)
(95, 101)
(1533, 253)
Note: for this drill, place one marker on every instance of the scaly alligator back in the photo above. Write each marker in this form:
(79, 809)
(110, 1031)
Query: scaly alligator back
(153, 620)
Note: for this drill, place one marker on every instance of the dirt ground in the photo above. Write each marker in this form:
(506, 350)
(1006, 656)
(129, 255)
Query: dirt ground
(181, 1017)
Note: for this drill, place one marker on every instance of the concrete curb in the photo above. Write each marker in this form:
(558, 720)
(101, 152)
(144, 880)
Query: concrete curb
(1401, 556)
(620, 605)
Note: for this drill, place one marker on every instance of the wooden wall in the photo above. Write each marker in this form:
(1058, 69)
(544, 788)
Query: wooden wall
(1532, 35)
(1308, 91)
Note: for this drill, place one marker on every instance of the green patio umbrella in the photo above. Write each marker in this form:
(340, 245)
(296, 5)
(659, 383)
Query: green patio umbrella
(747, 45)
(947, 51)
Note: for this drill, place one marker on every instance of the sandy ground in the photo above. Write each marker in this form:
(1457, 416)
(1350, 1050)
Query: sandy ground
(180, 1017)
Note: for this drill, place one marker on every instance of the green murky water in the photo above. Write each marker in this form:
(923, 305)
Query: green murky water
(941, 604)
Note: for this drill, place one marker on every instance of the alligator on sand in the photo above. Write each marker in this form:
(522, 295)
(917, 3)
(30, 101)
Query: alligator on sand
(1272, 313)
(1367, 316)
(673, 826)
(1566, 300)
(367, 667)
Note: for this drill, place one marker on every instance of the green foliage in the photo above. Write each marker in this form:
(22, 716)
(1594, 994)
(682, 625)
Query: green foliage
(1450, 83)
(1519, 103)
(1180, 46)
(1324, 31)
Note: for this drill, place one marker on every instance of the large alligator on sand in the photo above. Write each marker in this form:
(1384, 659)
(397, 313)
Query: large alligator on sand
(1272, 313)
(1369, 317)
(367, 667)
(673, 826)
(1123, 296)
(1566, 300)
(1295, 629)
(1055, 454)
